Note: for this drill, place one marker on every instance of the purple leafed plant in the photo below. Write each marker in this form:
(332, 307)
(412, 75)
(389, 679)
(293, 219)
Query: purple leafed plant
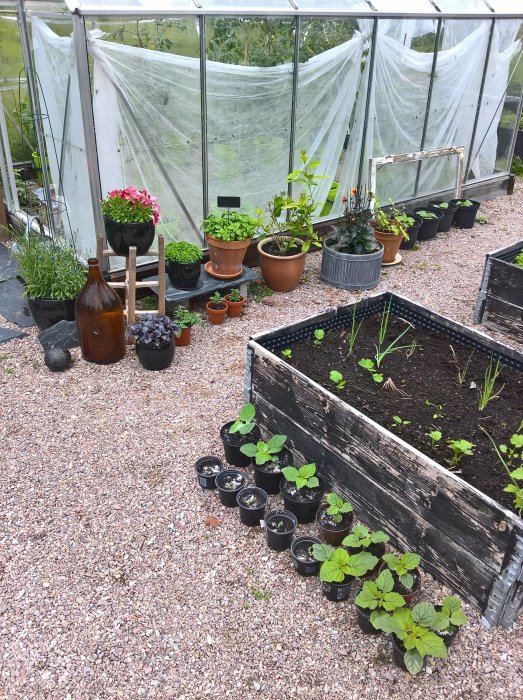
(155, 329)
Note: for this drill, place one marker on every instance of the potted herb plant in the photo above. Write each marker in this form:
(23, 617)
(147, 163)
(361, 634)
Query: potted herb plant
(449, 619)
(130, 217)
(236, 433)
(334, 519)
(216, 308)
(388, 230)
(229, 483)
(269, 459)
(373, 598)
(284, 242)
(207, 469)
(280, 526)
(405, 572)
(185, 320)
(252, 502)
(183, 264)
(466, 210)
(448, 210)
(235, 303)
(351, 258)
(229, 234)
(52, 278)
(301, 491)
(154, 337)
(302, 557)
(431, 217)
(339, 569)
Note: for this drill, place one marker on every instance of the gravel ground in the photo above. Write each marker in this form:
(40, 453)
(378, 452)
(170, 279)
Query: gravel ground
(114, 581)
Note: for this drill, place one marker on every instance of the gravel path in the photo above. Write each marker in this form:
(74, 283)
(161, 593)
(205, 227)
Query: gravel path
(113, 581)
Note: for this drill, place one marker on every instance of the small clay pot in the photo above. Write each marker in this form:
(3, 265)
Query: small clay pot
(216, 315)
(184, 338)
(234, 308)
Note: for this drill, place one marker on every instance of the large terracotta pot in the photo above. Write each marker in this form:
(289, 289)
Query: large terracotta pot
(391, 244)
(282, 273)
(226, 257)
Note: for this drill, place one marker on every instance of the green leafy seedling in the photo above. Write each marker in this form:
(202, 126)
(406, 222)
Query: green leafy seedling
(378, 595)
(459, 448)
(368, 364)
(402, 566)
(337, 378)
(338, 563)
(435, 437)
(304, 476)
(450, 617)
(319, 335)
(337, 507)
(287, 353)
(264, 452)
(360, 537)
(245, 422)
(399, 423)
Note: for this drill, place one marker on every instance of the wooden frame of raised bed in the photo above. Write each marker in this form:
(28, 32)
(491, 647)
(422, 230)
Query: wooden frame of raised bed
(499, 305)
(468, 541)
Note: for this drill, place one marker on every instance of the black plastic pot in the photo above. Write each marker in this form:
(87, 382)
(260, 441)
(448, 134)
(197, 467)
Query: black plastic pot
(336, 592)
(448, 636)
(276, 540)
(378, 549)
(251, 516)
(364, 623)
(412, 233)
(305, 568)
(155, 357)
(429, 227)
(304, 511)
(465, 216)
(228, 496)
(47, 312)
(448, 214)
(183, 275)
(270, 481)
(207, 481)
(398, 653)
(232, 443)
(122, 236)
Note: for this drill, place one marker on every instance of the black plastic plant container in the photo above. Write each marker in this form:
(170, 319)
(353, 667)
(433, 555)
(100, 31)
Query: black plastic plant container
(207, 481)
(183, 275)
(448, 636)
(465, 216)
(412, 233)
(228, 495)
(156, 357)
(448, 214)
(232, 443)
(398, 653)
(251, 516)
(47, 312)
(122, 236)
(429, 227)
(364, 623)
(304, 511)
(336, 592)
(280, 540)
(311, 567)
(270, 481)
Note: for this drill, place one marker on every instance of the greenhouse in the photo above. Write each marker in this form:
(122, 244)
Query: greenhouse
(195, 100)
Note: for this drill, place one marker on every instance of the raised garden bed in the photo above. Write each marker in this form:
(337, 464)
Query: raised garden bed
(500, 300)
(468, 539)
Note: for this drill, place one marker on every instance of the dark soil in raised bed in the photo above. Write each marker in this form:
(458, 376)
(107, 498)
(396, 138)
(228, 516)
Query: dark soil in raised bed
(428, 374)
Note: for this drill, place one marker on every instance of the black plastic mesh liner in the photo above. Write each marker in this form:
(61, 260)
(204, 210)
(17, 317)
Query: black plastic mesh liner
(509, 257)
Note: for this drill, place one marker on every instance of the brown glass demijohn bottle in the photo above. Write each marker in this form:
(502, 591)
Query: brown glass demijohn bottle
(100, 319)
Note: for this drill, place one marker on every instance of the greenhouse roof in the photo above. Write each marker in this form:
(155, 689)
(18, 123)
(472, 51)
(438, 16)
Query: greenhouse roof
(372, 8)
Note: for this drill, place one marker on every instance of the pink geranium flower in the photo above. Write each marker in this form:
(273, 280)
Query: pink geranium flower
(131, 205)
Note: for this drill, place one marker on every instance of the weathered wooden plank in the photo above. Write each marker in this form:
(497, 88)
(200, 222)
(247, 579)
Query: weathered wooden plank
(374, 503)
(506, 282)
(500, 315)
(449, 503)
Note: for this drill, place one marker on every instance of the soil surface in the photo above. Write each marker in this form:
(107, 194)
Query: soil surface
(327, 521)
(280, 523)
(304, 495)
(427, 393)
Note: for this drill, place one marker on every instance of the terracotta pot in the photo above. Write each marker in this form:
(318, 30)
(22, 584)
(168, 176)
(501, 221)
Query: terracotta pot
(216, 316)
(282, 273)
(391, 244)
(184, 338)
(234, 307)
(226, 256)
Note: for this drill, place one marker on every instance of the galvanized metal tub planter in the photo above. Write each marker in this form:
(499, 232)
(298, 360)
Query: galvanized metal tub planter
(350, 271)
(500, 299)
(469, 541)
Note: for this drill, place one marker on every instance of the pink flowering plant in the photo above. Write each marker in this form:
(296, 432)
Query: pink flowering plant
(131, 206)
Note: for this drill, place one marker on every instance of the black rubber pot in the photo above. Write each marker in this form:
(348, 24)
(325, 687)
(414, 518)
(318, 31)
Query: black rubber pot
(465, 216)
(228, 495)
(336, 592)
(378, 549)
(270, 481)
(364, 623)
(309, 567)
(448, 214)
(205, 479)
(429, 227)
(183, 275)
(304, 511)
(251, 515)
(122, 236)
(47, 312)
(155, 357)
(280, 539)
(412, 233)
(232, 443)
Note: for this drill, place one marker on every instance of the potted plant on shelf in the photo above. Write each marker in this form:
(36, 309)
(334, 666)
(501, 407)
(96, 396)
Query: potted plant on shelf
(375, 597)
(301, 491)
(466, 210)
(269, 459)
(283, 243)
(216, 308)
(183, 264)
(351, 258)
(431, 218)
(388, 230)
(52, 279)
(334, 519)
(236, 433)
(229, 234)
(449, 619)
(185, 320)
(448, 210)
(235, 303)
(339, 569)
(154, 337)
(405, 572)
(280, 526)
(130, 217)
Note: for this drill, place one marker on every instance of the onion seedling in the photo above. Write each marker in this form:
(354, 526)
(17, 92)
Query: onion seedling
(486, 393)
